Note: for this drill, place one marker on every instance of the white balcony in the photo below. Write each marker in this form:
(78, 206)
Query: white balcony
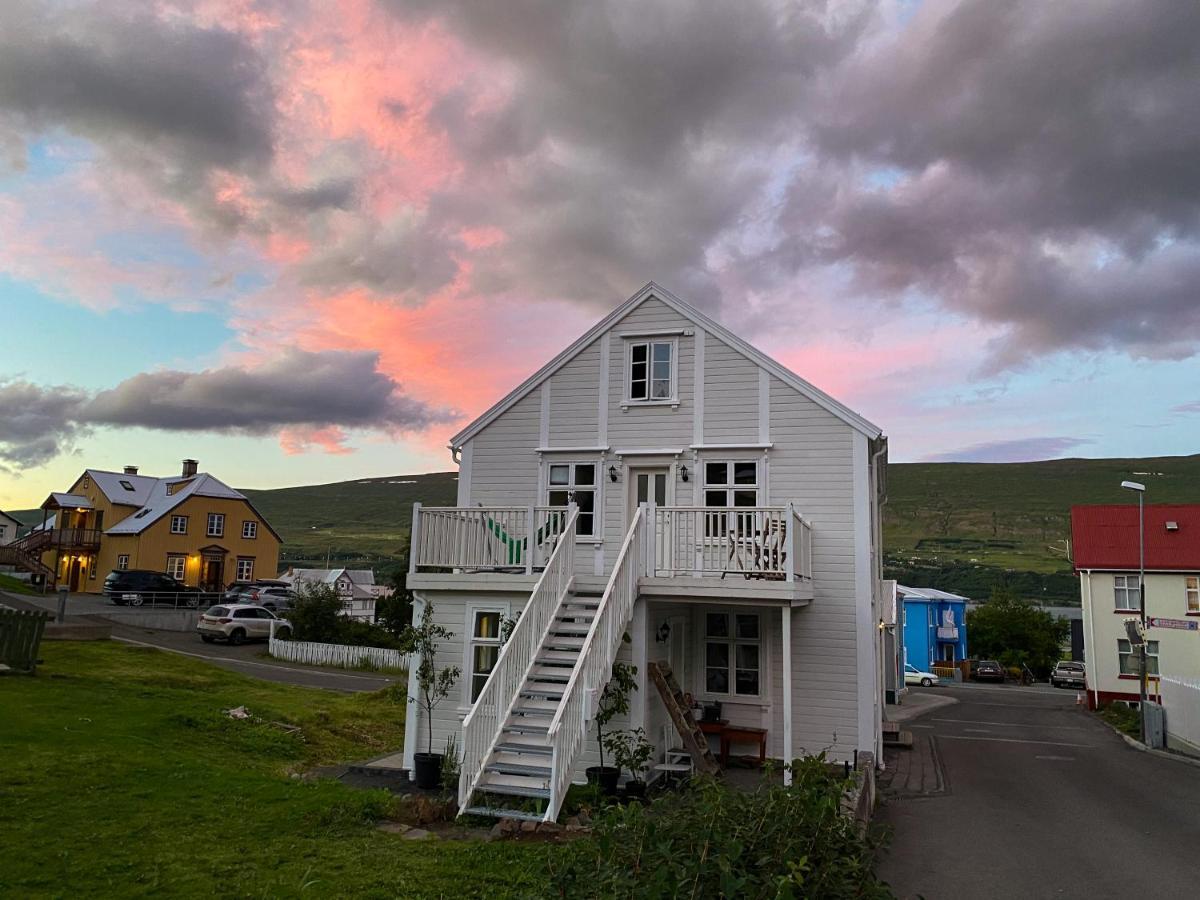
(947, 632)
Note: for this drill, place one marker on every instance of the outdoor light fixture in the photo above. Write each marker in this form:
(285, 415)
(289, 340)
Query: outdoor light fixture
(1142, 679)
(683, 473)
(663, 634)
(612, 473)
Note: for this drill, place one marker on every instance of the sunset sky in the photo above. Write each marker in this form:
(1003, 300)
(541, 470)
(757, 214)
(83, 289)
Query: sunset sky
(306, 241)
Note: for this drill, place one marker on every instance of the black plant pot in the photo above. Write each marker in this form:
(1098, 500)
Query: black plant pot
(427, 770)
(605, 776)
(635, 789)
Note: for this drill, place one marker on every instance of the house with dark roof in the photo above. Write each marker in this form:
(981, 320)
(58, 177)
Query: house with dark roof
(1105, 550)
(191, 526)
(9, 528)
(356, 588)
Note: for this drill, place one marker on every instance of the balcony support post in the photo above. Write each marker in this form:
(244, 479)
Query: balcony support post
(530, 538)
(414, 539)
(790, 532)
(786, 635)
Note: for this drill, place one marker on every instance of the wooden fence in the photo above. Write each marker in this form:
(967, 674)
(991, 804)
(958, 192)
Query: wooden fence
(20, 638)
(338, 655)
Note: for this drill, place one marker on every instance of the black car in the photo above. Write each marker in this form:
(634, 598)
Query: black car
(137, 587)
(988, 670)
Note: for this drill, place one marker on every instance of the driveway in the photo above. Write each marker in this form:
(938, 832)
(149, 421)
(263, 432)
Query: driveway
(248, 659)
(1034, 797)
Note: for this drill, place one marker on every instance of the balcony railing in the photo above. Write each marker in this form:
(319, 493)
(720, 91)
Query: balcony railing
(771, 542)
(73, 538)
(493, 538)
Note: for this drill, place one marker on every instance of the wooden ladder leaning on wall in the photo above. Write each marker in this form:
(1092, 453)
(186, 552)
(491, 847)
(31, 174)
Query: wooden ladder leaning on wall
(694, 740)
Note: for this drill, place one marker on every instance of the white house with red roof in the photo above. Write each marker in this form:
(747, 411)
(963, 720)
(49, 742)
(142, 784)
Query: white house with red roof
(1105, 551)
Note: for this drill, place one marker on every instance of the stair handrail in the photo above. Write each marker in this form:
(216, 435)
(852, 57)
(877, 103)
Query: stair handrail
(596, 658)
(481, 727)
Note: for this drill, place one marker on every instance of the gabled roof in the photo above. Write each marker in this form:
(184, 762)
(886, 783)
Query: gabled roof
(1106, 537)
(67, 501)
(7, 517)
(113, 486)
(787, 376)
(925, 595)
(330, 576)
(168, 493)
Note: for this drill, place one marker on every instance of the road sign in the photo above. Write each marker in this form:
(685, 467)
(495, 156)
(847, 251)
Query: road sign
(1181, 624)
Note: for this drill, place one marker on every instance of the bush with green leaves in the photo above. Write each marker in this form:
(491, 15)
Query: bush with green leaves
(316, 615)
(710, 840)
(1016, 633)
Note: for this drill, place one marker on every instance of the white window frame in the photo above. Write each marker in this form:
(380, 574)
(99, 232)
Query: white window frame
(627, 398)
(122, 562)
(703, 640)
(219, 520)
(1125, 650)
(249, 568)
(1122, 589)
(470, 642)
(597, 489)
(177, 566)
(177, 519)
(92, 566)
(1191, 593)
(249, 529)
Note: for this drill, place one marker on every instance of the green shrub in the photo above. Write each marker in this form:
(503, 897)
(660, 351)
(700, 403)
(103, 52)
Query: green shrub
(710, 840)
(1122, 717)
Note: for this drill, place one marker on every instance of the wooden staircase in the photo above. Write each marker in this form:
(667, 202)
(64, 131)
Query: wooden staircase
(25, 554)
(520, 766)
(694, 740)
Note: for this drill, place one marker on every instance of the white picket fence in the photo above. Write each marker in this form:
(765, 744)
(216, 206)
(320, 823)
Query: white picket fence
(339, 655)
(1181, 700)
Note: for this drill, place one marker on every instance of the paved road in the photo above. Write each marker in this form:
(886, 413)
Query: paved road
(1040, 799)
(247, 659)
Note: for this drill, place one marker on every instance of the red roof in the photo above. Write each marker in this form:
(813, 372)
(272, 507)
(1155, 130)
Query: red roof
(1106, 537)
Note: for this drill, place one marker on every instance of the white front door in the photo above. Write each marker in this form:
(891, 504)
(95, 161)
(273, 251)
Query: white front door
(651, 486)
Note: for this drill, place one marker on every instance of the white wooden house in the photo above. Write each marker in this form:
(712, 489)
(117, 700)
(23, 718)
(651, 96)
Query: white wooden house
(724, 514)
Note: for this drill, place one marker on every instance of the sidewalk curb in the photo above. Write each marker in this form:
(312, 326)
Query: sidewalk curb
(932, 704)
(1135, 744)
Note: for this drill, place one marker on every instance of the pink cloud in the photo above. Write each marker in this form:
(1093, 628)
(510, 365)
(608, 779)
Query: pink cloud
(332, 440)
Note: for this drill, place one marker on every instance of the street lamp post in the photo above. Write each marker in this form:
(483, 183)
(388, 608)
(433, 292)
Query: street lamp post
(1140, 489)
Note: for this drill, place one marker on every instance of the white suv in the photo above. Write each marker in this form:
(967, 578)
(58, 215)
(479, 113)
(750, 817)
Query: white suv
(239, 622)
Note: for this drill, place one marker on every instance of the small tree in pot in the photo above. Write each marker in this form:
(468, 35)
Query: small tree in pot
(632, 752)
(614, 701)
(433, 686)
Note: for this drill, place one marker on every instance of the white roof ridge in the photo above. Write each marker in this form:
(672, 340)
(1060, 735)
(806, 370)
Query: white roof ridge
(685, 309)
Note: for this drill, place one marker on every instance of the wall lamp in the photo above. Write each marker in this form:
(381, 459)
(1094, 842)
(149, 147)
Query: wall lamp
(663, 634)
(612, 473)
(683, 473)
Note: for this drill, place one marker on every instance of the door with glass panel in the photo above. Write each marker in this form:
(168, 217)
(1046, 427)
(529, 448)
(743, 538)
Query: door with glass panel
(650, 486)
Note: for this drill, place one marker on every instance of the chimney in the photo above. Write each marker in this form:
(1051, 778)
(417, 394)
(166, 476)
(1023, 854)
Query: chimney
(131, 470)
(189, 467)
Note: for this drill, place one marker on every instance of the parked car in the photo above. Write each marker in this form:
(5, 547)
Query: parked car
(272, 597)
(988, 670)
(137, 587)
(913, 675)
(238, 623)
(236, 593)
(1069, 674)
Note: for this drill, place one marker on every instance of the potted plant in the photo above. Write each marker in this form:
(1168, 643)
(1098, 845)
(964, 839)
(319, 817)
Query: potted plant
(614, 701)
(433, 686)
(632, 752)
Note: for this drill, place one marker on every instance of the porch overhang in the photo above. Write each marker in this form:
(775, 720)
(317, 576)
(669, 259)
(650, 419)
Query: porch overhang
(67, 501)
(730, 589)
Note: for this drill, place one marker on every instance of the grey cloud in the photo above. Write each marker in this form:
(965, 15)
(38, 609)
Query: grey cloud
(1015, 450)
(38, 422)
(330, 388)
(1193, 407)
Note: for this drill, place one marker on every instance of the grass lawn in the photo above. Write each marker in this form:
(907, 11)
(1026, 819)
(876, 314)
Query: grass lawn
(15, 586)
(122, 777)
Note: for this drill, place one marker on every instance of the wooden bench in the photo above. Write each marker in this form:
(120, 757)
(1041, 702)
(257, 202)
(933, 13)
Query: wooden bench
(743, 735)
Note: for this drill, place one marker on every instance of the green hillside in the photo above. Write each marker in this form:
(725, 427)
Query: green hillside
(963, 527)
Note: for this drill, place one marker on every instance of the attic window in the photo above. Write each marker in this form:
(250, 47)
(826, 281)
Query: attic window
(1172, 526)
(650, 370)
(141, 513)
(127, 486)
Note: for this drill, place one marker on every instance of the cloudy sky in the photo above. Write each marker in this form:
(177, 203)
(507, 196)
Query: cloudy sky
(305, 241)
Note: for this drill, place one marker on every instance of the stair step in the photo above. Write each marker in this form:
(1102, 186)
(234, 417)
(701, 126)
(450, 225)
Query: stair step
(513, 785)
(563, 642)
(504, 767)
(533, 693)
(534, 713)
(520, 726)
(569, 630)
(568, 657)
(497, 813)
(524, 748)
(537, 707)
(555, 675)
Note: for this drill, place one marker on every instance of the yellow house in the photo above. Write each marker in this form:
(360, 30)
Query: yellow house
(193, 527)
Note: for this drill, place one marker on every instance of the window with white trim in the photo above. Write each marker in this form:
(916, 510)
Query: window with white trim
(729, 483)
(1127, 657)
(1125, 592)
(92, 568)
(732, 654)
(567, 482)
(249, 530)
(483, 650)
(651, 371)
(176, 566)
(122, 562)
(245, 568)
(179, 524)
(1191, 590)
(216, 525)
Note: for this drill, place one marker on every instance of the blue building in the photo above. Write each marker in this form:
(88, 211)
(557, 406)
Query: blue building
(935, 626)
